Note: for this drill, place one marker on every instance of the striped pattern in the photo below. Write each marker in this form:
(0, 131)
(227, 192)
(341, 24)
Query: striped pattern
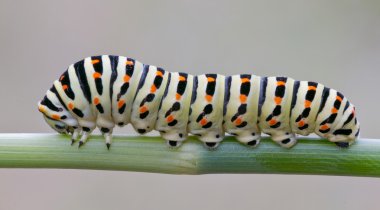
(104, 91)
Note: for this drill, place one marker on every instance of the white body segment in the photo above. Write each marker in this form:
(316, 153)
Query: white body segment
(248, 103)
(174, 108)
(103, 115)
(275, 111)
(124, 89)
(207, 109)
(302, 120)
(148, 98)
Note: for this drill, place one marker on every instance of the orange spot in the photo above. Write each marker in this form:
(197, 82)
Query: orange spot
(65, 87)
(307, 103)
(153, 89)
(278, 100)
(182, 78)
(62, 77)
(95, 61)
(301, 123)
(280, 83)
(203, 121)
(244, 80)
(208, 98)
(120, 103)
(129, 63)
(334, 110)
(158, 73)
(143, 109)
(324, 127)
(41, 109)
(97, 75)
(169, 118)
(55, 116)
(126, 78)
(96, 101)
(178, 96)
(272, 122)
(71, 106)
(210, 79)
(238, 121)
(339, 98)
(243, 98)
(312, 88)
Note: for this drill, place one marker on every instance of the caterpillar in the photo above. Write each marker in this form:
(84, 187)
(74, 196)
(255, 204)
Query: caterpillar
(107, 90)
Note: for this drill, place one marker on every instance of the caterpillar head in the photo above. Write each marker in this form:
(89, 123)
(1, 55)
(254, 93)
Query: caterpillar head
(54, 113)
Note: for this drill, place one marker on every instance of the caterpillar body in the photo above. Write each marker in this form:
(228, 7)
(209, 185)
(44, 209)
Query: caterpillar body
(104, 91)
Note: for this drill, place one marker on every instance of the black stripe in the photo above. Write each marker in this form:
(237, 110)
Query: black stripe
(283, 79)
(78, 112)
(181, 87)
(325, 95)
(263, 88)
(227, 93)
(144, 115)
(242, 109)
(280, 91)
(246, 86)
(210, 88)
(158, 79)
(166, 91)
(82, 78)
(173, 123)
(349, 119)
(209, 124)
(278, 124)
(54, 90)
(277, 110)
(114, 63)
(343, 132)
(208, 109)
(242, 125)
(296, 86)
(46, 101)
(143, 76)
(100, 108)
(142, 79)
(98, 67)
(346, 106)
(66, 81)
(314, 84)
(304, 127)
(194, 91)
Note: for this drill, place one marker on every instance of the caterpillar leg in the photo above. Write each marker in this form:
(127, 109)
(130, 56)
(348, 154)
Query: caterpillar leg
(211, 139)
(174, 138)
(85, 135)
(286, 140)
(248, 138)
(75, 135)
(173, 143)
(84, 138)
(107, 133)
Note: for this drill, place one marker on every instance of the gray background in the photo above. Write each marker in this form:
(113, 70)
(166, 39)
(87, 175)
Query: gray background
(336, 43)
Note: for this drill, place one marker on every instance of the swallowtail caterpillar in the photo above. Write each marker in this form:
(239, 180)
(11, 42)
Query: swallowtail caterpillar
(104, 91)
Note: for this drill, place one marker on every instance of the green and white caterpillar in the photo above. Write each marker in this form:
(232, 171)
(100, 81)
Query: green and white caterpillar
(104, 91)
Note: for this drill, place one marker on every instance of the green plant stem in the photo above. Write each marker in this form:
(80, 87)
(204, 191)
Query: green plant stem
(150, 154)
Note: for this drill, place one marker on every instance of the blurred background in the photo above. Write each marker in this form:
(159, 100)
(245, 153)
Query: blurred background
(336, 43)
